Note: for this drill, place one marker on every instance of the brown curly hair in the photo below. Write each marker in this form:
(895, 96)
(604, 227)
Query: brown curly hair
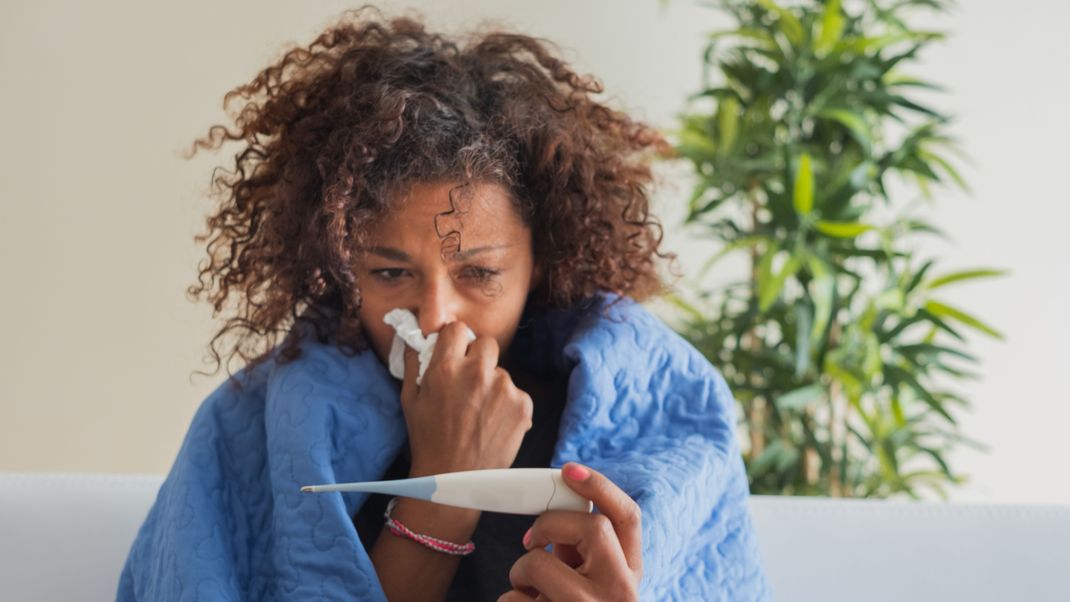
(332, 132)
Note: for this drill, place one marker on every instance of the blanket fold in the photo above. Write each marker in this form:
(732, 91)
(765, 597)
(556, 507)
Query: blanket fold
(644, 407)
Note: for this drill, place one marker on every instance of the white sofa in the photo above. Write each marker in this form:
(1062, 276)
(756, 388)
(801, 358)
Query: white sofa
(65, 537)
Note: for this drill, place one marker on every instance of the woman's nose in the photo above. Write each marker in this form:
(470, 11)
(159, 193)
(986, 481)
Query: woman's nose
(438, 307)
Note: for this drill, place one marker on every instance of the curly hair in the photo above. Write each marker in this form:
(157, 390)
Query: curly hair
(332, 132)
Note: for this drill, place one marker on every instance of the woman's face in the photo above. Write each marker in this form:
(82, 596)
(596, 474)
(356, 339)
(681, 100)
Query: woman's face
(412, 263)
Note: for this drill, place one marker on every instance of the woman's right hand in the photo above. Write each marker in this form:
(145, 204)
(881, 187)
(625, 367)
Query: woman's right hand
(467, 414)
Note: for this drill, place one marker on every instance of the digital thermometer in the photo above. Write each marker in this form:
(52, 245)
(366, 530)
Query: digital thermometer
(509, 490)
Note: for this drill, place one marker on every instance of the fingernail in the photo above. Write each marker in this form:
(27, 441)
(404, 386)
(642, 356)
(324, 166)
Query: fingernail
(577, 472)
(527, 538)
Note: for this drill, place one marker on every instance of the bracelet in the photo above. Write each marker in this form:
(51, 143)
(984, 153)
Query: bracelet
(438, 545)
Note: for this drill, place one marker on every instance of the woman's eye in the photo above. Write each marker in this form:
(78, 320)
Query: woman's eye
(476, 274)
(479, 274)
(389, 274)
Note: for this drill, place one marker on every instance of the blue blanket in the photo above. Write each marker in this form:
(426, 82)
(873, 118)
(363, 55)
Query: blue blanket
(644, 407)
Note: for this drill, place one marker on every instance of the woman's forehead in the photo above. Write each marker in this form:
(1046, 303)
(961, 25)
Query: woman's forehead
(451, 206)
(476, 219)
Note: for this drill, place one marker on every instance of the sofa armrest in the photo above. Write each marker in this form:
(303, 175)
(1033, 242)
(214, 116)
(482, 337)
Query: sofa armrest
(66, 536)
(834, 549)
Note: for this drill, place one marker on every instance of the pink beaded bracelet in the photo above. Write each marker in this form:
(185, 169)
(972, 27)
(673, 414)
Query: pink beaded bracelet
(438, 545)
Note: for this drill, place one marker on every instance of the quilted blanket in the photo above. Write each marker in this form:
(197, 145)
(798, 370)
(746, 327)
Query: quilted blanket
(644, 408)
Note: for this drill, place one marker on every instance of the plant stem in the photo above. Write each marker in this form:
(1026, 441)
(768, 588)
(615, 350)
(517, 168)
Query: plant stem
(837, 427)
(757, 406)
(835, 478)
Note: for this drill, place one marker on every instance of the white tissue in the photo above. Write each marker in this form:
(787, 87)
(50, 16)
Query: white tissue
(407, 332)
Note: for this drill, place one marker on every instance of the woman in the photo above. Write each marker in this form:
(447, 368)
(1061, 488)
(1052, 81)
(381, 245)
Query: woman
(480, 187)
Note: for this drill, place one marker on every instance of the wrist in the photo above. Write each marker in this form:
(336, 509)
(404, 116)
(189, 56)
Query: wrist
(423, 468)
(438, 520)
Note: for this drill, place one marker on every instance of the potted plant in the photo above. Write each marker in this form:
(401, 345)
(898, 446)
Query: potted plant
(836, 344)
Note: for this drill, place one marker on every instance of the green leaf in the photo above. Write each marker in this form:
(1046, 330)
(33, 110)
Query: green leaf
(854, 123)
(842, 229)
(938, 324)
(872, 365)
(832, 23)
(956, 372)
(804, 186)
(891, 299)
(702, 187)
(917, 225)
(866, 44)
(772, 286)
(693, 145)
(897, 412)
(788, 23)
(800, 398)
(727, 125)
(913, 106)
(963, 275)
(898, 375)
(822, 291)
(939, 459)
(918, 276)
(894, 79)
(911, 53)
(941, 309)
(946, 166)
(930, 349)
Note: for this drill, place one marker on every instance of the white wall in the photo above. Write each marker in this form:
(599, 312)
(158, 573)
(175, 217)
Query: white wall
(97, 211)
(1005, 67)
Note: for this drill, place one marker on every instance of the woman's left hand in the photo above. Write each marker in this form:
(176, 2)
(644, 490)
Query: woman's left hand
(595, 556)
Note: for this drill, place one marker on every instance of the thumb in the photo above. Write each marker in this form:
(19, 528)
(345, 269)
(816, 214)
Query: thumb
(409, 388)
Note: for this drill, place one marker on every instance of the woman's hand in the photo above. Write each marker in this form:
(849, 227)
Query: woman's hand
(467, 414)
(595, 556)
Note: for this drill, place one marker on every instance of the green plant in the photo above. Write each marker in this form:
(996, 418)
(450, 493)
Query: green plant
(835, 345)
